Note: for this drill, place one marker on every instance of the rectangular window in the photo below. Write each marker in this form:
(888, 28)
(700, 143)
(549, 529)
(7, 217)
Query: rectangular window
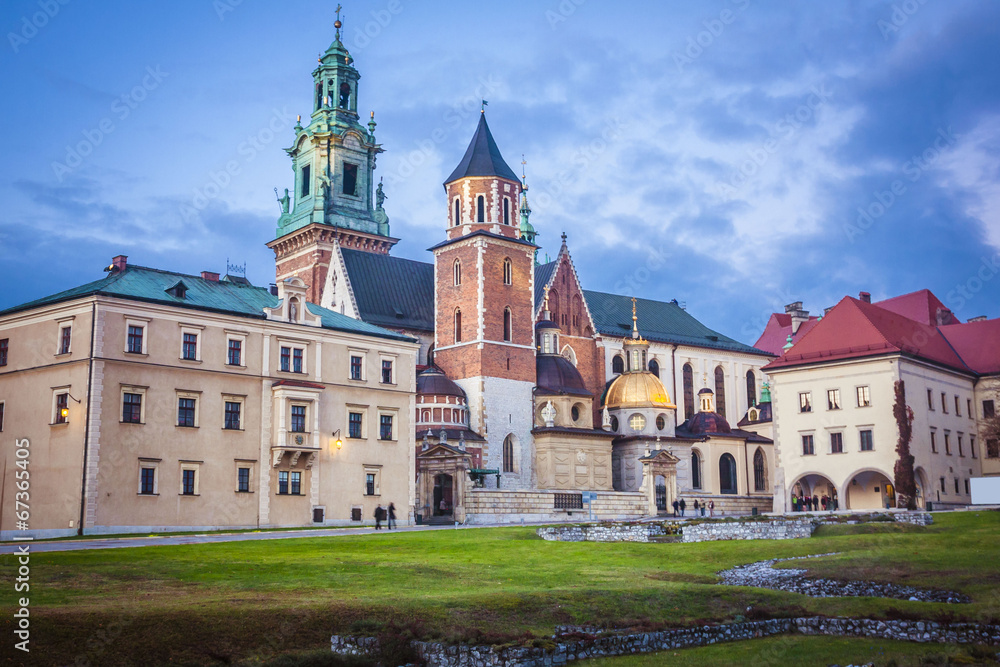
(972, 441)
(296, 482)
(65, 338)
(306, 171)
(354, 420)
(298, 419)
(371, 483)
(147, 481)
(296, 360)
(864, 397)
(1, 416)
(837, 443)
(243, 480)
(943, 488)
(958, 409)
(930, 400)
(3, 351)
(833, 399)
(961, 452)
(235, 357)
(350, 178)
(966, 487)
(947, 443)
(187, 481)
(286, 359)
(62, 408)
(808, 446)
(993, 449)
(867, 441)
(185, 412)
(933, 442)
(283, 482)
(189, 350)
(385, 427)
(135, 339)
(956, 485)
(386, 371)
(944, 403)
(357, 367)
(989, 410)
(132, 408)
(233, 415)
(968, 408)
(805, 401)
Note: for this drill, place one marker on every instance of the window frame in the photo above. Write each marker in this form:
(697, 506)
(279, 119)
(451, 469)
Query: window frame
(356, 362)
(805, 405)
(130, 337)
(187, 395)
(293, 408)
(2, 408)
(508, 271)
(60, 401)
(837, 437)
(871, 440)
(384, 413)
(240, 341)
(833, 400)
(930, 399)
(389, 365)
(934, 448)
(989, 407)
(360, 422)
(4, 350)
(194, 467)
(283, 483)
(239, 401)
(811, 449)
(947, 443)
(134, 391)
(295, 483)
(296, 357)
(191, 330)
(375, 472)
(64, 343)
(154, 465)
(250, 467)
(864, 396)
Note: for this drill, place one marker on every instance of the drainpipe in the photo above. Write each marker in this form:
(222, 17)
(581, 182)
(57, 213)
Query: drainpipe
(86, 426)
(673, 373)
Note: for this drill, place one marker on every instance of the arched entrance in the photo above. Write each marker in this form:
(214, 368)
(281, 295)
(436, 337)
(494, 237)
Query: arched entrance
(727, 474)
(870, 490)
(444, 502)
(921, 479)
(661, 493)
(811, 486)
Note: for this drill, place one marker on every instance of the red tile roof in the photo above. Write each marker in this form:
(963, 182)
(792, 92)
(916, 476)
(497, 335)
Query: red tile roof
(978, 343)
(856, 329)
(776, 332)
(921, 306)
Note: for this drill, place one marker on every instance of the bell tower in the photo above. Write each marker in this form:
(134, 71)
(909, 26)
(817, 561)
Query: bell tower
(333, 163)
(484, 306)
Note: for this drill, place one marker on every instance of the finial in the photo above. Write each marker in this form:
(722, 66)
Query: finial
(524, 179)
(564, 238)
(482, 109)
(635, 320)
(372, 124)
(337, 24)
(545, 303)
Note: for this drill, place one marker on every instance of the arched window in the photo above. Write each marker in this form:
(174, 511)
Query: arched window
(720, 391)
(508, 271)
(456, 218)
(695, 470)
(688, 374)
(508, 453)
(751, 389)
(727, 474)
(617, 364)
(458, 272)
(345, 96)
(654, 367)
(506, 324)
(570, 354)
(480, 209)
(458, 325)
(759, 471)
(506, 210)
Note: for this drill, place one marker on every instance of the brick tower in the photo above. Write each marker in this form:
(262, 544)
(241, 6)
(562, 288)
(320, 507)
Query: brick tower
(333, 160)
(484, 305)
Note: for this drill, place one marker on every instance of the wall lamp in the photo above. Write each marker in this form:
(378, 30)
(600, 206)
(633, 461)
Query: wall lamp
(65, 411)
(337, 441)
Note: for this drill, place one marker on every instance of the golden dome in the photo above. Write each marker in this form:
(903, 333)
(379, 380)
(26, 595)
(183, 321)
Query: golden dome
(637, 390)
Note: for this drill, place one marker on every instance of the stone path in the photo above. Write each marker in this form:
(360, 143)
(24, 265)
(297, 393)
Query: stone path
(793, 580)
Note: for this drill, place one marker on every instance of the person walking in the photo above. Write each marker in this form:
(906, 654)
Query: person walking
(676, 507)
(696, 507)
(378, 517)
(392, 516)
(711, 508)
(683, 506)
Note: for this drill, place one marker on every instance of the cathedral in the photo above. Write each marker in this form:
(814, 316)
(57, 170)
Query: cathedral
(535, 398)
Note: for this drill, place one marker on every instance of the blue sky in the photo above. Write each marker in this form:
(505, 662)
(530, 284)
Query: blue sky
(735, 155)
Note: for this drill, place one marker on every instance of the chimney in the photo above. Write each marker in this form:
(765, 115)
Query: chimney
(865, 296)
(210, 275)
(943, 316)
(798, 315)
(274, 289)
(826, 311)
(977, 318)
(119, 263)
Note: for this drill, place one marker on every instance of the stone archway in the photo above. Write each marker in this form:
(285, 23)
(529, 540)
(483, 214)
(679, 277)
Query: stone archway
(869, 490)
(815, 485)
(920, 477)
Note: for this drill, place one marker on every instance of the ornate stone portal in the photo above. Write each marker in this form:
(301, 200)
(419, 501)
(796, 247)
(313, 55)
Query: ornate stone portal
(659, 463)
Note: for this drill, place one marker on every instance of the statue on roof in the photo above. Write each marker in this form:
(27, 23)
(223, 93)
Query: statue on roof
(379, 195)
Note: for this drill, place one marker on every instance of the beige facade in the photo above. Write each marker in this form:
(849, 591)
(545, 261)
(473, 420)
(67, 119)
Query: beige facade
(162, 432)
(844, 443)
(987, 399)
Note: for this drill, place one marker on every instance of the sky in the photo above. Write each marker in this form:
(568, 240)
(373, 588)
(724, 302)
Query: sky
(734, 155)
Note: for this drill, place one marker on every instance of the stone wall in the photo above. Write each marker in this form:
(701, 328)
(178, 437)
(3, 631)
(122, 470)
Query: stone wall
(606, 645)
(493, 506)
(603, 532)
(916, 518)
(767, 529)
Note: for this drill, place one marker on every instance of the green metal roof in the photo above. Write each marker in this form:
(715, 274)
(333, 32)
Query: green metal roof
(660, 321)
(543, 274)
(392, 291)
(140, 283)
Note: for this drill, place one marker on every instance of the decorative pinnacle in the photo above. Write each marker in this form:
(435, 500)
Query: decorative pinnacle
(635, 320)
(524, 179)
(337, 24)
(482, 109)
(372, 124)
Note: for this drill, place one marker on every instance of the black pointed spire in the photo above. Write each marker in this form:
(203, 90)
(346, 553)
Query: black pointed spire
(482, 158)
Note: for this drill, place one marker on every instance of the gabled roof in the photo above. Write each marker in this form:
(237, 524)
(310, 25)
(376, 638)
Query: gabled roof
(391, 291)
(921, 306)
(978, 343)
(660, 321)
(482, 157)
(544, 273)
(777, 331)
(856, 329)
(140, 283)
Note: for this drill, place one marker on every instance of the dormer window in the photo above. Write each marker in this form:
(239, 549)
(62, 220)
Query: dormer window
(178, 290)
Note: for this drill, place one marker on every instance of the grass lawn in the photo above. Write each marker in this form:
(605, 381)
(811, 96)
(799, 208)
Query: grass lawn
(244, 602)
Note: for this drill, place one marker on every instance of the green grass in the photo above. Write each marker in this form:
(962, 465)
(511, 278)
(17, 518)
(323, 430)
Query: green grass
(805, 652)
(252, 601)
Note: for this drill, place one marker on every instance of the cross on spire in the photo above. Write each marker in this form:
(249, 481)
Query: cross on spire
(337, 24)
